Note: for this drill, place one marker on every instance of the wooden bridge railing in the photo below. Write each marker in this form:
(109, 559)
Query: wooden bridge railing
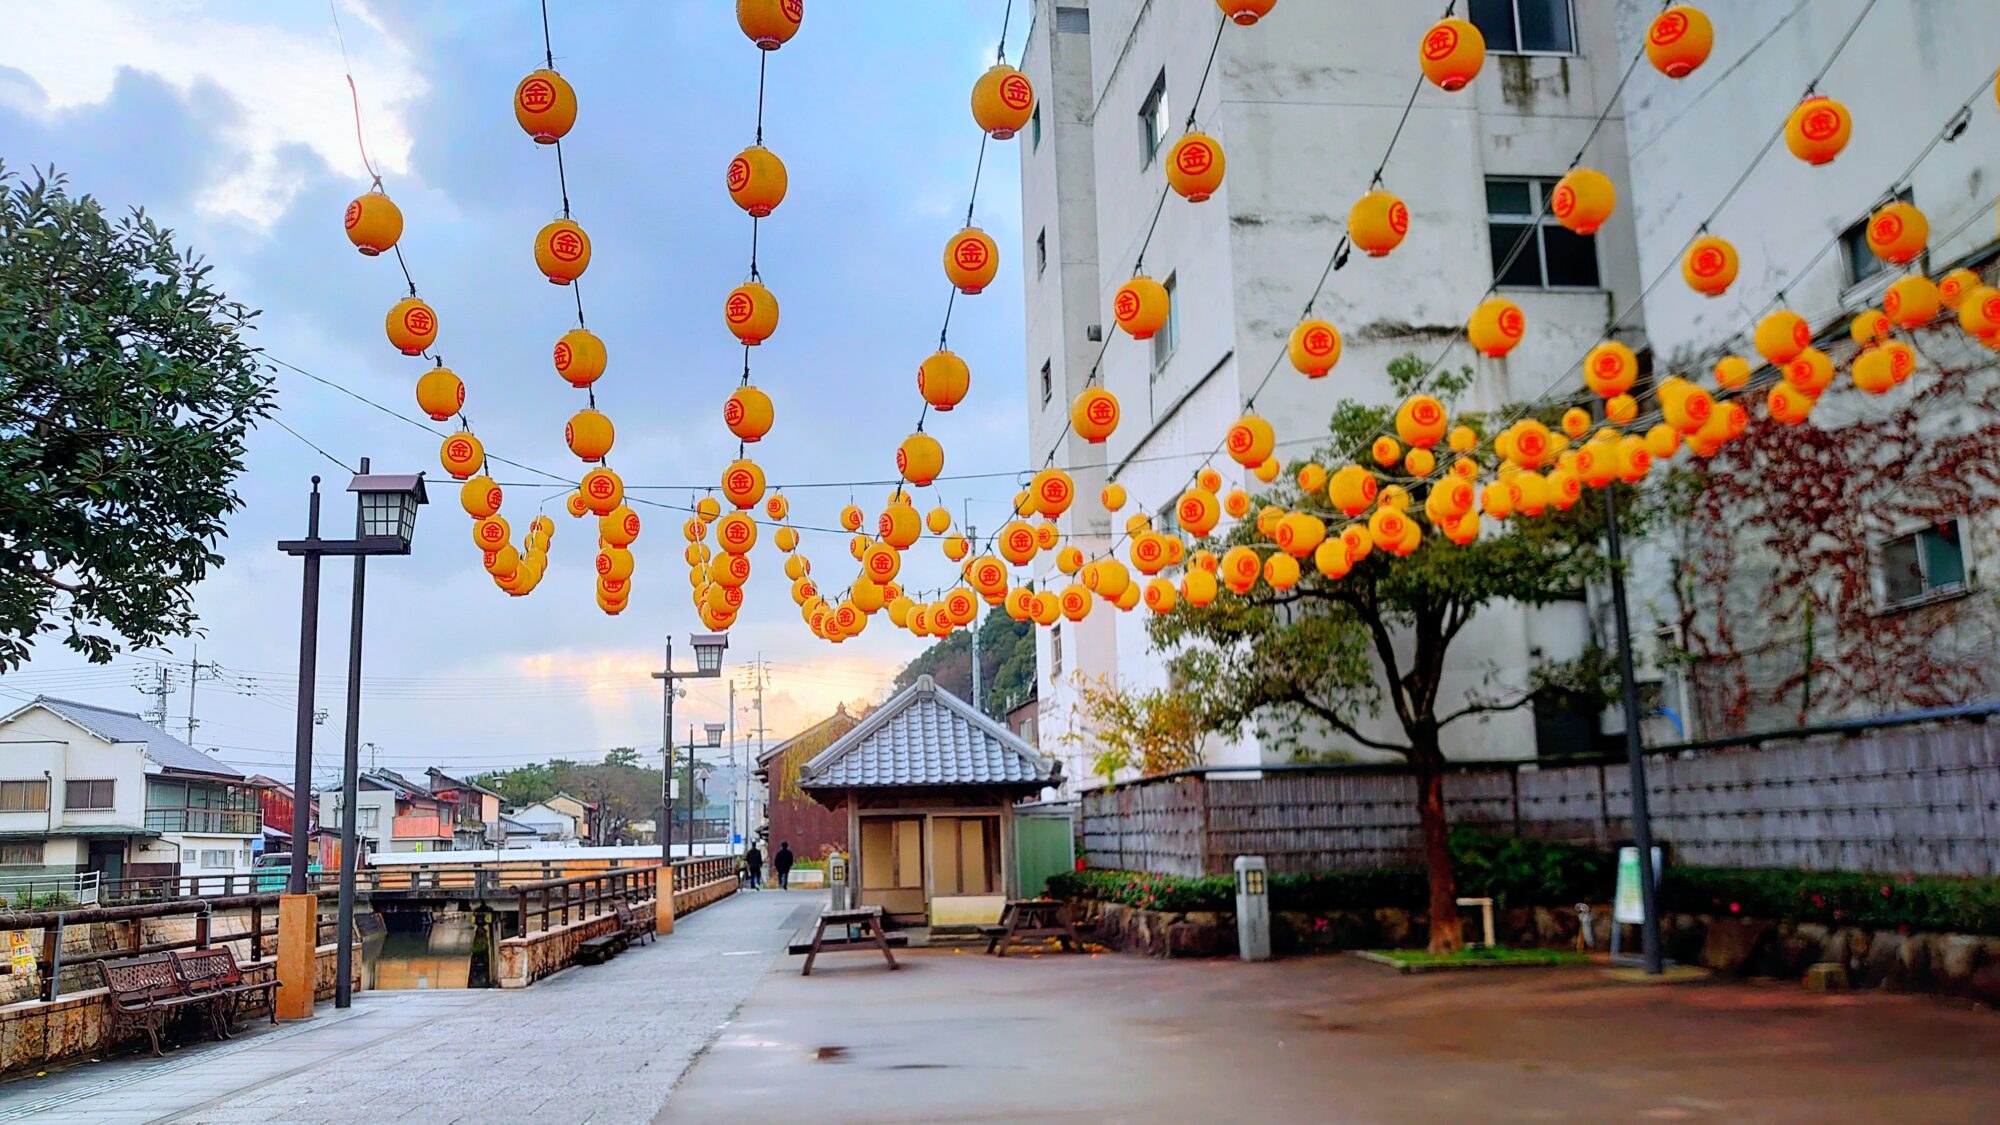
(50, 961)
(692, 873)
(557, 902)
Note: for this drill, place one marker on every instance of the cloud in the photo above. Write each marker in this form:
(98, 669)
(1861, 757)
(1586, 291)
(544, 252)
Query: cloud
(275, 85)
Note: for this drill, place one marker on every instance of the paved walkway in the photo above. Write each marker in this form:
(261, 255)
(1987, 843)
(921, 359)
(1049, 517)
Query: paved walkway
(598, 1044)
(965, 1037)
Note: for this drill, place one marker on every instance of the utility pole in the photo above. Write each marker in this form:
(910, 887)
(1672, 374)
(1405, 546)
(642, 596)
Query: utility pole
(1635, 755)
(749, 803)
(733, 764)
(158, 683)
(195, 672)
(666, 832)
(972, 533)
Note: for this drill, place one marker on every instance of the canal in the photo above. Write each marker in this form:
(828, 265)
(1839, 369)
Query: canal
(422, 949)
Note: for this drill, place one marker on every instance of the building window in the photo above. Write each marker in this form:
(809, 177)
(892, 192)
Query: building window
(1860, 262)
(1035, 128)
(215, 857)
(193, 806)
(1525, 27)
(1553, 256)
(1153, 121)
(1923, 566)
(87, 794)
(26, 853)
(1055, 652)
(1073, 20)
(1041, 251)
(1048, 383)
(370, 819)
(1169, 336)
(24, 796)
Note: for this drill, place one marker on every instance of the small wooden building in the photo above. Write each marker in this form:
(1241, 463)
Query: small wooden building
(929, 786)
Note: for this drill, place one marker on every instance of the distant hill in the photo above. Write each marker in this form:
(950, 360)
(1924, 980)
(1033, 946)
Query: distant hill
(1006, 658)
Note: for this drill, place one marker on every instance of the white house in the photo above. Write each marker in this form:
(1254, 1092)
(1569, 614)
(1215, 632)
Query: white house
(548, 823)
(88, 788)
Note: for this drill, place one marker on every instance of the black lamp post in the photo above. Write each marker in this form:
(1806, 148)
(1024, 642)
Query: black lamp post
(714, 733)
(385, 519)
(708, 649)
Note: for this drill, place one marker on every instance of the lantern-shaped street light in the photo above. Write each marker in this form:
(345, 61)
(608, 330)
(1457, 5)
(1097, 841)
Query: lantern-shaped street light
(388, 504)
(708, 648)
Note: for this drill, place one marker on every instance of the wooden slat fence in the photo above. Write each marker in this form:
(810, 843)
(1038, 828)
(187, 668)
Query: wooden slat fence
(1921, 800)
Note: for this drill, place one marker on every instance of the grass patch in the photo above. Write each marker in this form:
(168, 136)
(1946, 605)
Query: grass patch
(1483, 956)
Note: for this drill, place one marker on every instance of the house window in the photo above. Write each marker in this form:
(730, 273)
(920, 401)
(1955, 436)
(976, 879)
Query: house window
(1525, 27)
(1553, 257)
(24, 796)
(1041, 251)
(87, 794)
(26, 853)
(1169, 335)
(369, 819)
(1153, 121)
(1035, 128)
(1055, 652)
(1860, 262)
(215, 857)
(1048, 383)
(1073, 20)
(1924, 565)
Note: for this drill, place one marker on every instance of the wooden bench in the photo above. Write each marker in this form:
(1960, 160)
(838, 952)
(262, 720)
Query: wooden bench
(635, 929)
(866, 919)
(214, 973)
(145, 991)
(1032, 918)
(602, 948)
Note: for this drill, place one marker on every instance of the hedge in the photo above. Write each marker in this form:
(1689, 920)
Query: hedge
(1526, 872)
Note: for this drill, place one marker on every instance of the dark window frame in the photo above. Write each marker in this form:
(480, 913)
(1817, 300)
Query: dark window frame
(1154, 124)
(88, 804)
(1510, 44)
(1536, 256)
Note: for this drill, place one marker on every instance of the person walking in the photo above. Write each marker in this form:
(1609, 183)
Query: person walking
(783, 863)
(753, 862)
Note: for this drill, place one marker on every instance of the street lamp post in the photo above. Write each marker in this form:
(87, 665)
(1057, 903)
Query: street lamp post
(385, 519)
(707, 666)
(714, 733)
(1635, 755)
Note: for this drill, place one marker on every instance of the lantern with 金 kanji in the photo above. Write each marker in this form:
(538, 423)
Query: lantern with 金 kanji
(614, 562)
(770, 23)
(1300, 533)
(1245, 13)
(707, 509)
(1002, 101)
(1818, 129)
(461, 454)
(1451, 53)
(1311, 477)
(736, 533)
(1912, 301)
(412, 325)
(1576, 422)
(1684, 406)
(1386, 451)
(787, 539)
(1330, 559)
(1953, 287)
(1979, 311)
(480, 497)
(1610, 368)
(751, 313)
(1016, 543)
(743, 483)
(1788, 404)
(374, 222)
(440, 393)
(1869, 327)
(748, 414)
(1141, 307)
(1781, 336)
(580, 357)
(1462, 439)
(1497, 500)
(1709, 267)
(1352, 490)
(851, 518)
(618, 527)
(1419, 462)
(1206, 478)
(1281, 572)
(943, 380)
(1198, 587)
(757, 181)
(1731, 372)
(1236, 503)
(971, 260)
(1074, 601)
(1871, 371)
(988, 576)
(1113, 496)
(1240, 568)
(562, 251)
(1532, 446)
(1421, 421)
(589, 434)
(1250, 440)
(1897, 233)
(602, 490)
(938, 520)
(900, 526)
(1107, 578)
(920, 458)
(1314, 347)
(1047, 535)
(1194, 166)
(1387, 528)
(1679, 40)
(1902, 359)
(1094, 414)
(1583, 199)
(491, 533)
(1198, 512)
(1495, 327)
(545, 105)
(1377, 223)
(881, 562)
(1160, 596)
(1267, 470)
(1054, 492)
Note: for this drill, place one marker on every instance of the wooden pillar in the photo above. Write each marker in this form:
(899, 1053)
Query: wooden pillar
(663, 900)
(298, 949)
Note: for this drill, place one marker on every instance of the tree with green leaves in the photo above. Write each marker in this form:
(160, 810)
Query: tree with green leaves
(127, 391)
(1328, 655)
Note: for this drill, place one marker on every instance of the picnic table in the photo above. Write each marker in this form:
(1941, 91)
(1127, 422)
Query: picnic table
(867, 920)
(1032, 918)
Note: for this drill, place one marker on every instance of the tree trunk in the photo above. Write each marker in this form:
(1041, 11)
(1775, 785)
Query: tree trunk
(1427, 769)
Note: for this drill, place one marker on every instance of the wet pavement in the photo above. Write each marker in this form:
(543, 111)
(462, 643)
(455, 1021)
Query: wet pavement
(965, 1037)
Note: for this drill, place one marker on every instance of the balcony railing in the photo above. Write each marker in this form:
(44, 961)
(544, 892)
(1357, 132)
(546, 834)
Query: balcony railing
(222, 822)
(420, 828)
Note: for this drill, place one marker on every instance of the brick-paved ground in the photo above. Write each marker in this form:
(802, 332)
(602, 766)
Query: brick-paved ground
(602, 1043)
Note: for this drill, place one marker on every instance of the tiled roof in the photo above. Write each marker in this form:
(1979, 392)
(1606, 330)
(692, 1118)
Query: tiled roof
(927, 736)
(839, 715)
(164, 749)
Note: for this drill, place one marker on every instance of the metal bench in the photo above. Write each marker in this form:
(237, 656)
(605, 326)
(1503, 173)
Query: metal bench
(214, 973)
(636, 931)
(145, 991)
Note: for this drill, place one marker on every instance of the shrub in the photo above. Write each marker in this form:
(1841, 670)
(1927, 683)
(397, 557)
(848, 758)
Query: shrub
(1836, 898)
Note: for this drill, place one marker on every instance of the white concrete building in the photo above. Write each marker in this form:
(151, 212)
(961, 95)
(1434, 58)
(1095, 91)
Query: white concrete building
(87, 788)
(1908, 69)
(1304, 104)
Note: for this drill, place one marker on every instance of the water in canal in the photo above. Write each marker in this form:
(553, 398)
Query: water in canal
(427, 950)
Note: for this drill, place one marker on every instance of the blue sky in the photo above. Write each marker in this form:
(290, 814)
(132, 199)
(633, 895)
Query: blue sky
(230, 122)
